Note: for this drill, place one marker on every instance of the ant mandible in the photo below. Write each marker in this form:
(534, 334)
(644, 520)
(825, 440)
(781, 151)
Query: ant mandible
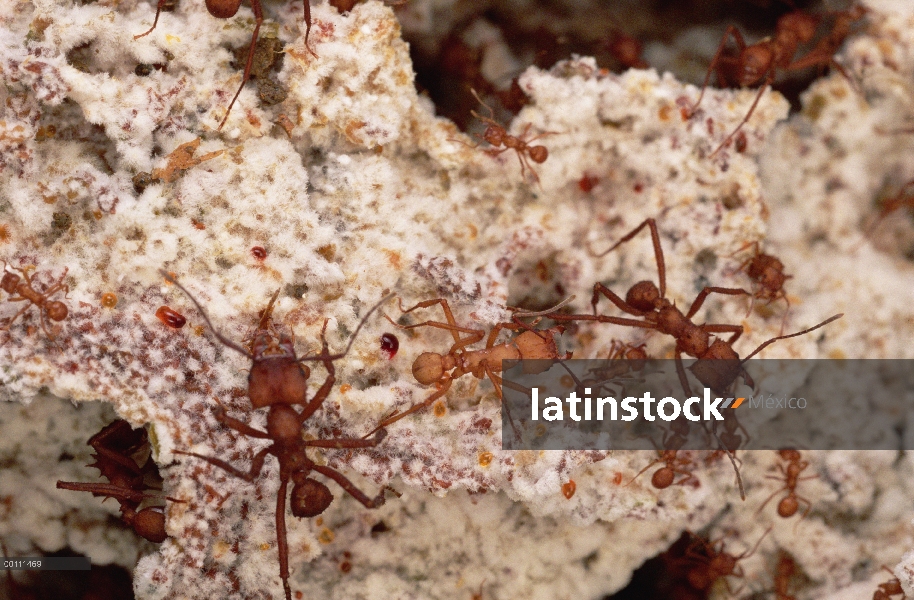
(759, 63)
(497, 136)
(790, 503)
(278, 380)
(55, 310)
(432, 368)
(767, 272)
(226, 9)
(117, 448)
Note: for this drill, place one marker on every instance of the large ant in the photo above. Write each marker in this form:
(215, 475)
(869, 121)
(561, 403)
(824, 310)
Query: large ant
(760, 62)
(497, 136)
(790, 503)
(718, 364)
(226, 9)
(122, 455)
(767, 272)
(714, 563)
(278, 380)
(55, 310)
(441, 369)
(889, 589)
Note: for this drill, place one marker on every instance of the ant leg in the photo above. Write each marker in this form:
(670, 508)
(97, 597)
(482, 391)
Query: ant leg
(282, 544)
(761, 92)
(258, 20)
(652, 463)
(773, 494)
(599, 288)
(239, 426)
(225, 341)
(256, 464)
(658, 251)
(680, 370)
(733, 32)
(700, 299)
(155, 21)
(308, 26)
(339, 443)
(416, 408)
(765, 344)
(736, 330)
(448, 315)
(350, 488)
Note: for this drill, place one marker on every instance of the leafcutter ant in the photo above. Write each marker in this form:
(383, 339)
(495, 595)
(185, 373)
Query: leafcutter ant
(122, 455)
(440, 370)
(711, 562)
(759, 63)
(21, 289)
(278, 380)
(767, 273)
(718, 365)
(790, 503)
(889, 589)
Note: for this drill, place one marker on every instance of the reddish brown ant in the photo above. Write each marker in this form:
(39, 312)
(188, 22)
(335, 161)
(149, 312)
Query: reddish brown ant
(718, 364)
(713, 563)
(278, 380)
(497, 136)
(767, 273)
(226, 9)
(674, 464)
(790, 503)
(122, 455)
(759, 63)
(889, 589)
(786, 569)
(441, 369)
(20, 289)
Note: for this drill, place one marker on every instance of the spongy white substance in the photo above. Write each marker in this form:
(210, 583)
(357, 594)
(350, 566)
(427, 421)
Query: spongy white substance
(355, 189)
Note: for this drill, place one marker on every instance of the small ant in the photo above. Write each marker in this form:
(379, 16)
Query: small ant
(278, 380)
(714, 563)
(226, 9)
(767, 272)
(904, 198)
(11, 283)
(760, 62)
(673, 463)
(497, 136)
(790, 503)
(122, 455)
(441, 369)
(889, 589)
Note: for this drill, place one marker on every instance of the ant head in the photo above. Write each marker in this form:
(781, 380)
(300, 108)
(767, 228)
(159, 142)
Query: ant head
(57, 311)
(789, 454)
(428, 368)
(223, 9)
(495, 135)
(663, 478)
(266, 345)
(150, 524)
(643, 296)
(723, 563)
(309, 497)
(800, 25)
(9, 282)
(756, 62)
(538, 154)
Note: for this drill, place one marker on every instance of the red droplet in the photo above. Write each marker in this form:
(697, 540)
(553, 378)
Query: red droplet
(587, 183)
(389, 345)
(171, 318)
(259, 252)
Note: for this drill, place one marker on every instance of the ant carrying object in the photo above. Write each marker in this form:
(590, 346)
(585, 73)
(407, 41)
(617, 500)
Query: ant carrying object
(21, 289)
(498, 137)
(767, 273)
(226, 9)
(759, 63)
(442, 369)
(278, 380)
(122, 455)
(790, 503)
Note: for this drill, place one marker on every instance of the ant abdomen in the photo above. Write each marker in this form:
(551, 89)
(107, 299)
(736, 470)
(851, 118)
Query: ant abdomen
(309, 498)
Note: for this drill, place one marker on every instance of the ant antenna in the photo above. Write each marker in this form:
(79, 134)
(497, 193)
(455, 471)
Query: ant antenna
(784, 337)
(326, 357)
